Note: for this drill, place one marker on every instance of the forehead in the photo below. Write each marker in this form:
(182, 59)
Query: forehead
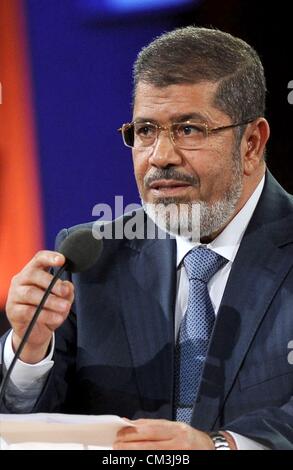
(171, 102)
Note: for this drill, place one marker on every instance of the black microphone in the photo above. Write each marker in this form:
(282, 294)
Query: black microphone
(81, 251)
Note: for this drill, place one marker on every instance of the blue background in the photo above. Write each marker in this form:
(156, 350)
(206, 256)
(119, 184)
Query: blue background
(82, 75)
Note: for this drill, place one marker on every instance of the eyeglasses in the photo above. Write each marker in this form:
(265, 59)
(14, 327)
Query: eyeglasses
(187, 135)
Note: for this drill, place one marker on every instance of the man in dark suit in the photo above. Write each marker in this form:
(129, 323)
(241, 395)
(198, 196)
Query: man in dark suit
(148, 335)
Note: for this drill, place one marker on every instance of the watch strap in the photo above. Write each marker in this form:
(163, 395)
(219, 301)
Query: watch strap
(220, 441)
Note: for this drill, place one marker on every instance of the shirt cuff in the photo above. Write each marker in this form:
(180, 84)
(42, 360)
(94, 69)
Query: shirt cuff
(23, 374)
(244, 443)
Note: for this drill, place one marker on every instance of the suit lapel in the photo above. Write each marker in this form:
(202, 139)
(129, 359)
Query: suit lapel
(148, 311)
(258, 271)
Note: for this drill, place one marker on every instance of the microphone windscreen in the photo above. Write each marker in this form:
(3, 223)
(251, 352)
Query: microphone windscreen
(81, 250)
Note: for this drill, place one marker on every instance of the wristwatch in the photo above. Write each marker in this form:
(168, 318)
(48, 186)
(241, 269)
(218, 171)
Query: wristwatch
(219, 440)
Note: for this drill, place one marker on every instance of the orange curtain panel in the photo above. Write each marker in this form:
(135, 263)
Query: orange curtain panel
(20, 208)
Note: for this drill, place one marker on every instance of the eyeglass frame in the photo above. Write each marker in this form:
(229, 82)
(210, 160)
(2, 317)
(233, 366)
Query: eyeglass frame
(207, 130)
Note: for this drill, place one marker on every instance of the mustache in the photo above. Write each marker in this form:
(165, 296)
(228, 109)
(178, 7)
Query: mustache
(170, 174)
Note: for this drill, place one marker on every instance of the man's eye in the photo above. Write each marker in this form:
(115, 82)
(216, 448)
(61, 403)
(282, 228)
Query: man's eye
(145, 131)
(189, 129)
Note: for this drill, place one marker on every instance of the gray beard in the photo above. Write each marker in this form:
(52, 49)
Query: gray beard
(197, 220)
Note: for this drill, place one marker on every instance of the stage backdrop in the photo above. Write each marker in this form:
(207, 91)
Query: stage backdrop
(20, 207)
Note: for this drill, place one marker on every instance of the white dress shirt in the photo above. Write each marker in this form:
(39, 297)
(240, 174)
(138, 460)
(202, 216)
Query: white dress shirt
(24, 376)
(226, 244)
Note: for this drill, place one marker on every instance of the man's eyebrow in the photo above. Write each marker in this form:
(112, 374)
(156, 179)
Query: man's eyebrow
(145, 119)
(189, 117)
(176, 118)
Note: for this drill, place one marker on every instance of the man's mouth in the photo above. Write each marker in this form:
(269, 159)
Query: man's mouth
(168, 187)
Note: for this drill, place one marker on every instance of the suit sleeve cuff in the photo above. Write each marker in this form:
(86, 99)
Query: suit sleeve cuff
(24, 375)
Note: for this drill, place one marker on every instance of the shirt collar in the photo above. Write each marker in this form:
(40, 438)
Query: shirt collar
(227, 242)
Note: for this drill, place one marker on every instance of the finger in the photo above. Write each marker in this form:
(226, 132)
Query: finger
(150, 429)
(69, 287)
(52, 320)
(144, 445)
(47, 318)
(31, 295)
(141, 433)
(46, 259)
(40, 278)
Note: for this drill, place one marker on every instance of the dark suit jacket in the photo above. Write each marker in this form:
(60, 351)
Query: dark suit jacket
(115, 354)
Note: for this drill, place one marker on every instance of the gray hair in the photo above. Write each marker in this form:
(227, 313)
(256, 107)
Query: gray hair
(194, 54)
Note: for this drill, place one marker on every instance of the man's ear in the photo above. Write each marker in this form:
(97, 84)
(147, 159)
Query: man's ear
(253, 144)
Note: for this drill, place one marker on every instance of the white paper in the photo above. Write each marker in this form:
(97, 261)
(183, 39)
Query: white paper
(59, 431)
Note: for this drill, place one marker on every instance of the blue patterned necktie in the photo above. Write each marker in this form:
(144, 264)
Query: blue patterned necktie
(195, 329)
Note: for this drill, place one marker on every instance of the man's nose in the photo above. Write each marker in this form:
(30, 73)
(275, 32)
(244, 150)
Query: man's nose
(164, 152)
